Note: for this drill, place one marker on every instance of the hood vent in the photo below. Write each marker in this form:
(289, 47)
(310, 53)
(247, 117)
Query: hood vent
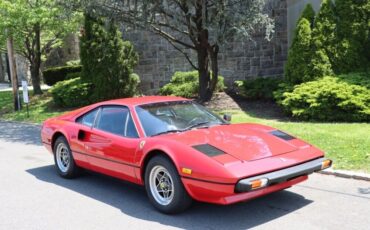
(282, 135)
(209, 150)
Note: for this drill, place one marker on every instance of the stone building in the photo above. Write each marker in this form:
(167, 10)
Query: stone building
(22, 68)
(238, 60)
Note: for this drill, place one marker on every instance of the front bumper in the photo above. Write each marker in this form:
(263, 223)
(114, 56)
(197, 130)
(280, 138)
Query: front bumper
(280, 176)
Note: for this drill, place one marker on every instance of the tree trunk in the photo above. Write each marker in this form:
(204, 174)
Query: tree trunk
(36, 62)
(13, 73)
(207, 58)
(2, 72)
(204, 75)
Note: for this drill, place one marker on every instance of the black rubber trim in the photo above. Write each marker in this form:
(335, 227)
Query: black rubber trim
(282, 175)
(209, 150)
(103, 158)
(282, 135)
(207, 181)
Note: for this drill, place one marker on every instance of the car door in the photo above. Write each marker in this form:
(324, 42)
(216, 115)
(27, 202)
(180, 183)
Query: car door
(112, 143)
(82, 131)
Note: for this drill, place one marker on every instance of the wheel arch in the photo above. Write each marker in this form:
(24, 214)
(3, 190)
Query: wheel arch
(55, 136)
(152, 153)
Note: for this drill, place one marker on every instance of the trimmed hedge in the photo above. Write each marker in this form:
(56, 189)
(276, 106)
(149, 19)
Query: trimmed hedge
(71, 93)
(56, 74)
(260, 88)
(186, 84)
(326, 99)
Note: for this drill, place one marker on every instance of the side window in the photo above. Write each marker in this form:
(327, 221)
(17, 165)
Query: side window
(88, 118)
(116, 120)
(130, 128)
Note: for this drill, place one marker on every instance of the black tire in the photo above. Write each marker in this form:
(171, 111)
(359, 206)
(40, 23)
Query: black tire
(71, 170)
(180, 200)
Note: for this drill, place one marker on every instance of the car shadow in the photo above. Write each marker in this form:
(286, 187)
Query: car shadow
(20, 132)
(131, 199)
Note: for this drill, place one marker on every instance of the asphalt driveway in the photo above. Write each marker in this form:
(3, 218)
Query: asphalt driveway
(33, 196)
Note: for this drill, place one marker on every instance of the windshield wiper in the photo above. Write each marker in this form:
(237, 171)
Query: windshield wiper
(197, 124)
(168, 131)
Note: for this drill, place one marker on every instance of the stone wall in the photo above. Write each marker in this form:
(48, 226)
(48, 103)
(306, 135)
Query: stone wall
(237, 60)
(70, 50)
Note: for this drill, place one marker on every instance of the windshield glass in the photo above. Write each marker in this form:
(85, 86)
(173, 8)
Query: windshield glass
(165, 117)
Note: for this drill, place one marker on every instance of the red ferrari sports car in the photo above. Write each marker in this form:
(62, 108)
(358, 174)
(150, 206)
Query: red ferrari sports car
(179, 151)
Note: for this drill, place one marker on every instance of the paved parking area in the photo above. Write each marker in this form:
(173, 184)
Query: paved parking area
(33, 196)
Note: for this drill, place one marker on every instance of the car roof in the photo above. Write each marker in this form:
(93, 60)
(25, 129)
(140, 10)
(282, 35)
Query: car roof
(133, 101)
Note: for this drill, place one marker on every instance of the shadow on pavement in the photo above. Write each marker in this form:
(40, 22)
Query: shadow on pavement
(19, 132)
(131, 200)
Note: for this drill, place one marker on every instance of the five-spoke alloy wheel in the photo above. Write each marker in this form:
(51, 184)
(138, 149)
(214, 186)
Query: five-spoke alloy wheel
(63, 159)
(164, 187)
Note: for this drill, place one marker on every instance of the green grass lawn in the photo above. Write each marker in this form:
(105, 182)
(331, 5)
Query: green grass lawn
(40, 108)
(348, 144)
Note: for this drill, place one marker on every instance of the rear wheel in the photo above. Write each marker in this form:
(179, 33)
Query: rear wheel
(164, 187)
(63, 159)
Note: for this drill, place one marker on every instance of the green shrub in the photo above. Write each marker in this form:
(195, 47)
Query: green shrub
(56, 74)
(327, 99)
(71, 93)
(260, 88)
(300, 52)
(323, 33)
(353, 35)
(362, 78)
(107, 60)
(73, 62)
(309, 14)
(186, 84)
(319, 66)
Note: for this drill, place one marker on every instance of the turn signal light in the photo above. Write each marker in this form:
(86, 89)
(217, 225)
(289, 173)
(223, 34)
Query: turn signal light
(186, 170)
(258, 183)
(326, 164)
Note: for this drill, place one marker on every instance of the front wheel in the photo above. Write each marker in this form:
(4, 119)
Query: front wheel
(164, 187)
(63, 158)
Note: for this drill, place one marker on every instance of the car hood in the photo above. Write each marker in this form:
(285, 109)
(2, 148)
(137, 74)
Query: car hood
(245, 142)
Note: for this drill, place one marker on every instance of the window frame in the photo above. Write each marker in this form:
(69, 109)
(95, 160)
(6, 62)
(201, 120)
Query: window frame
(125, 124)
(98, 115)
(98, 109)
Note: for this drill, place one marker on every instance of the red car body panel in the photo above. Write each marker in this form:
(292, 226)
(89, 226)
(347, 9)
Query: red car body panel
(249, 150)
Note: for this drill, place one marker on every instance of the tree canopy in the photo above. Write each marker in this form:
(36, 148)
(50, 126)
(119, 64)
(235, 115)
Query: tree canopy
(199, 25)
(36, 26)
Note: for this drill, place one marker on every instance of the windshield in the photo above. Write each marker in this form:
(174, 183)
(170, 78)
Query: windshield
(175, 116)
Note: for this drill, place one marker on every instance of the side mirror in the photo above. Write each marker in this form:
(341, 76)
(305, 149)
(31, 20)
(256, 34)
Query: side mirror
(227, 117)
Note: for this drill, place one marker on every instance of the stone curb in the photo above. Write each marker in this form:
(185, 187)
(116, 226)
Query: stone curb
(346, 174)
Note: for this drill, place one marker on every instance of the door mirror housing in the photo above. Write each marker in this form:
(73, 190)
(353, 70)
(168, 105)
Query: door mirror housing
(227, 117)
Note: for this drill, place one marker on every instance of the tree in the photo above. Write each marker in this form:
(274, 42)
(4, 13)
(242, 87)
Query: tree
(323, 33)
(107, 61)
(309, 14)
(36, 26)
(296, 68)
(353, 31)
(319, 65)
(199, 25)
